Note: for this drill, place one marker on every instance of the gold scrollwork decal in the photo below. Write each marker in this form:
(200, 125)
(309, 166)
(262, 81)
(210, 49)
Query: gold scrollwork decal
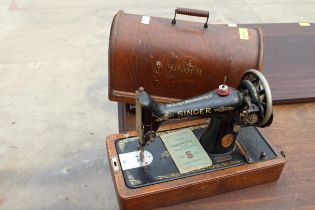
(132, 180)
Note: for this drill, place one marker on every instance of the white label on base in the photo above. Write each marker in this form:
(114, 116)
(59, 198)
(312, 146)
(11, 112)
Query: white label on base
(145, 20)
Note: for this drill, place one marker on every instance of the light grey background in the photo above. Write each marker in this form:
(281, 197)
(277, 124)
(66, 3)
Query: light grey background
(54, 111)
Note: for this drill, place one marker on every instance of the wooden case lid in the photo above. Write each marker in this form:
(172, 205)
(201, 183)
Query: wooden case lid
(177, 61)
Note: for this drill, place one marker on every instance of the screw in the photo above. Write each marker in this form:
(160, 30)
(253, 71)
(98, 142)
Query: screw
(263, 155)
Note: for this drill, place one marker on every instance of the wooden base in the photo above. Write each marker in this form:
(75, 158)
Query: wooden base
(189, 188)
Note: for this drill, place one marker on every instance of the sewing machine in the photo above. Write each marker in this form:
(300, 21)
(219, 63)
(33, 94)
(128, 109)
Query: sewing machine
(146, 171)
(229, 109)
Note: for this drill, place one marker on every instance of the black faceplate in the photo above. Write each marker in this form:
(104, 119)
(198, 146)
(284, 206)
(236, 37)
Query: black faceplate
(163, 168)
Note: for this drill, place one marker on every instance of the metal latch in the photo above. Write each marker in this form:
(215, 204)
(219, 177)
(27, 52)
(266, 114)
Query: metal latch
(115, 164)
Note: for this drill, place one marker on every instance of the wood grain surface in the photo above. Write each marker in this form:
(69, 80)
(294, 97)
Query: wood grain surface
(293, 132)
(179, 60)
(289, 61)
(288, 64)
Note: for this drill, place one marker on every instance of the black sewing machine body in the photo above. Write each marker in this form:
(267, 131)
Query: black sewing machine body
(230, 110)
(222, 110)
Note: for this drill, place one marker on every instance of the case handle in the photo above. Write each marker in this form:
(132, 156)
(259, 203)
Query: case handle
(192, 12)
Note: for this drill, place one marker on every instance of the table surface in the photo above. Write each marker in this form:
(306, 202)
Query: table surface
(291, 131)
(289, 60)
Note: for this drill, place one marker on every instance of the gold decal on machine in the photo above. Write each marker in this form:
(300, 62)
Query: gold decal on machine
(203, 111)
(193, 112)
